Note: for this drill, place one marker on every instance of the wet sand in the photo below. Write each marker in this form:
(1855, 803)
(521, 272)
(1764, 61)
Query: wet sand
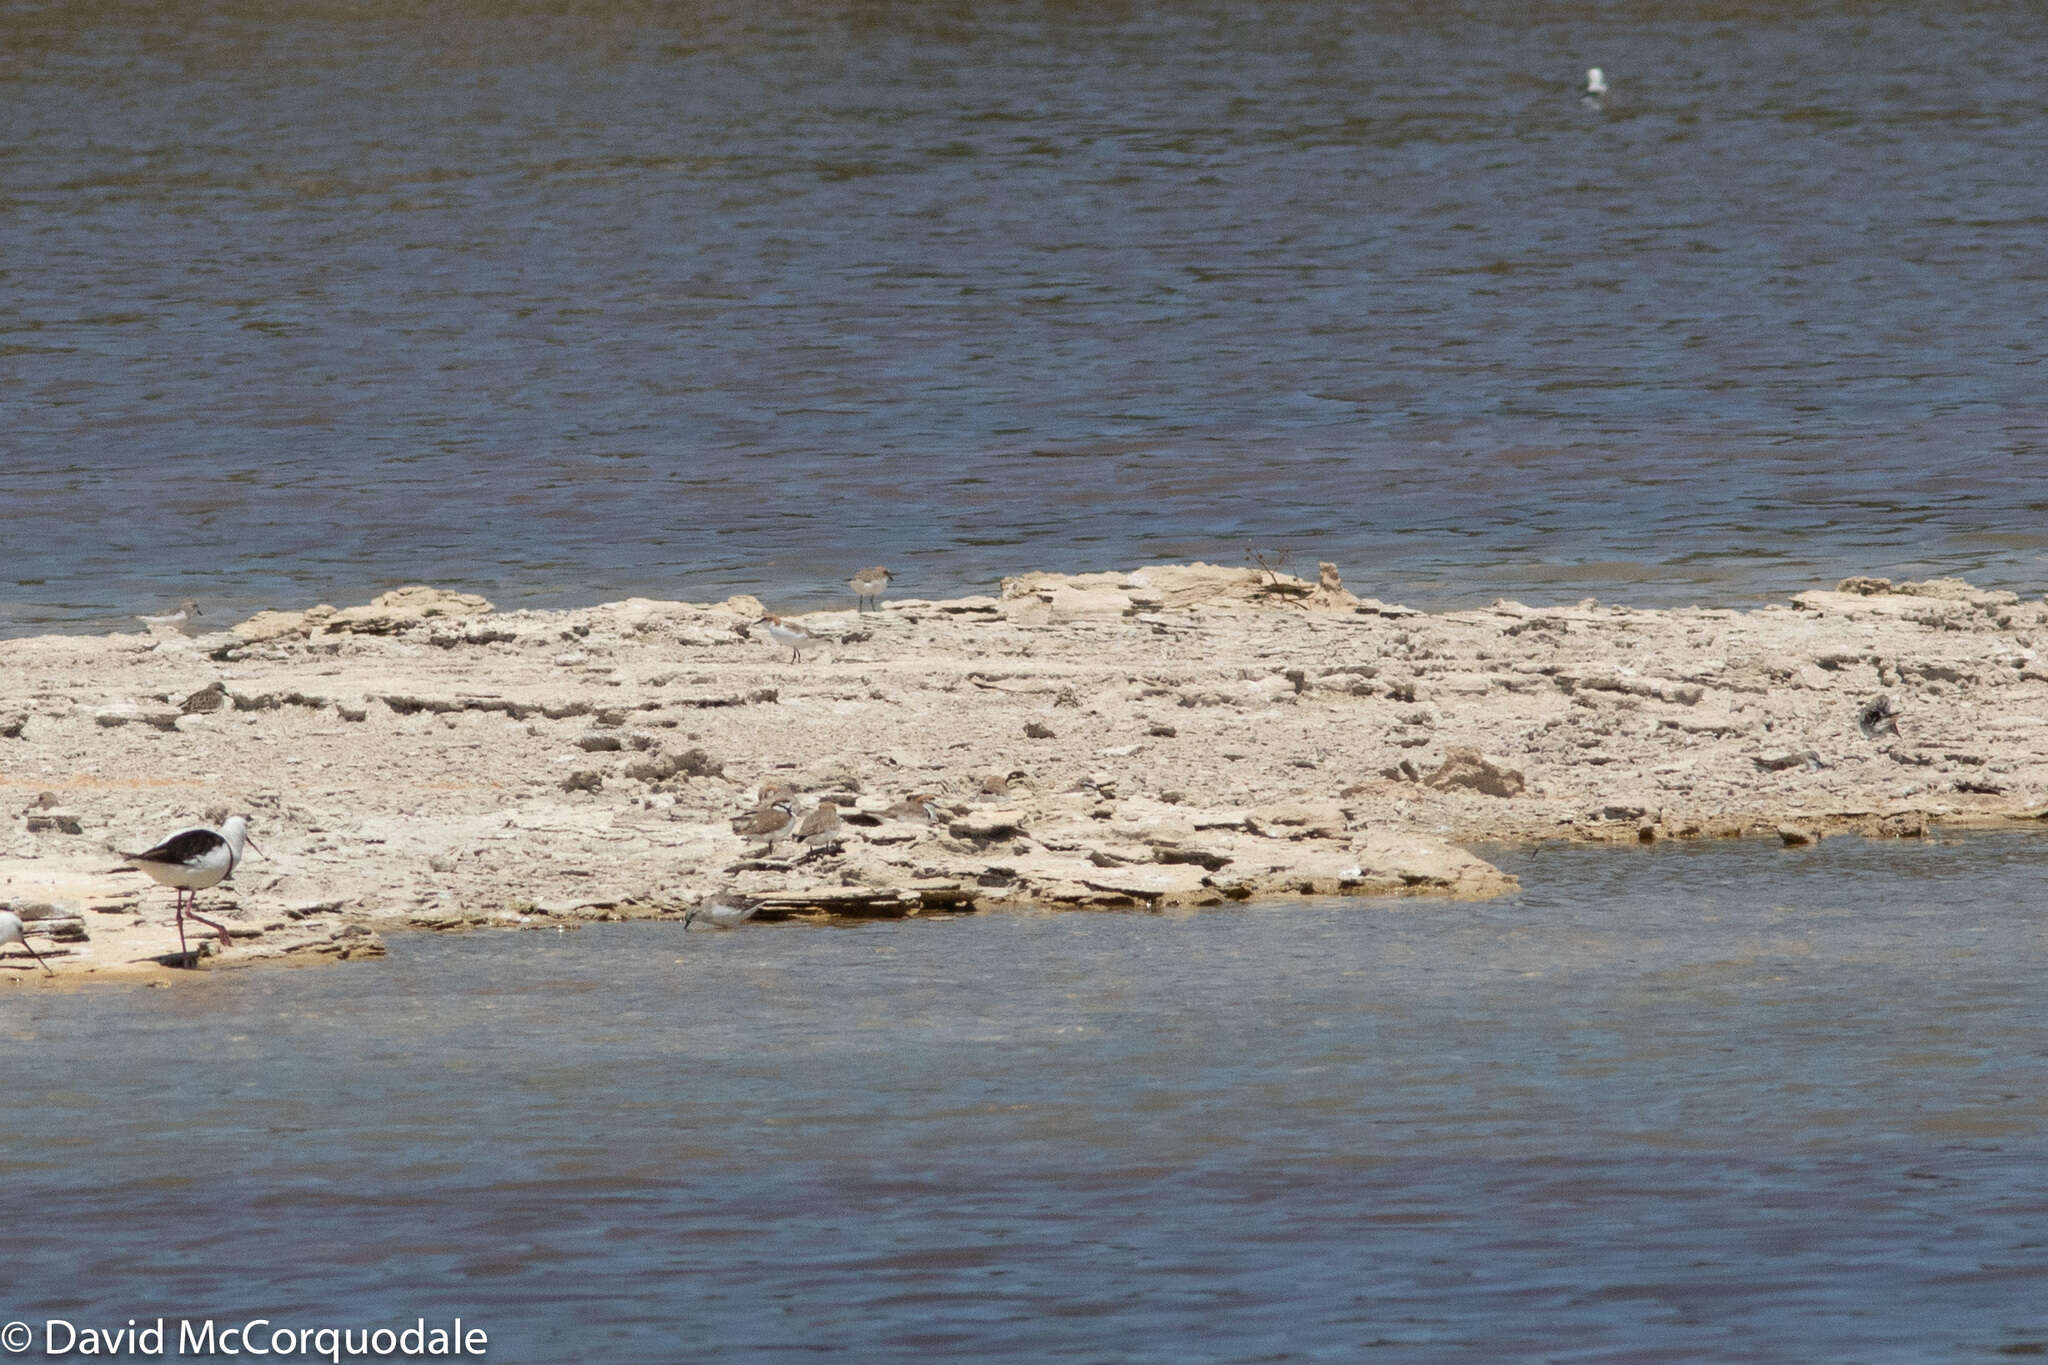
(1180, 735)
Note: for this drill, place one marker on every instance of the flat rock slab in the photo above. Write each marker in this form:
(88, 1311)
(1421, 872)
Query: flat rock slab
(1208, 734)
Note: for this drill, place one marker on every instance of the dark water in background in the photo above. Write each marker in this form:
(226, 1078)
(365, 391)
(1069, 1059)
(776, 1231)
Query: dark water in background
(564, 302)
(1718, 1102)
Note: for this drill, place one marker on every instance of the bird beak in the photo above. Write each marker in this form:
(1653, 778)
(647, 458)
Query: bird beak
(252, 844)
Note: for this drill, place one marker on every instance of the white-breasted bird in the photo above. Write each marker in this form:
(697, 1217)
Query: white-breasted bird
(1595, 87)
(726, 910)
(790, 636)
(767, 823)
(10, 932)
(868, 586)
(171, 620)
(192, 860)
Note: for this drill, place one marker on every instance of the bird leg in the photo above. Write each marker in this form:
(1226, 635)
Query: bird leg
(181, 922)
(220, 929)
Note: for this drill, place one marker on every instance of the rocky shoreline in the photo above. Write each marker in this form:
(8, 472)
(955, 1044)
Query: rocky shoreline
(1180, 735)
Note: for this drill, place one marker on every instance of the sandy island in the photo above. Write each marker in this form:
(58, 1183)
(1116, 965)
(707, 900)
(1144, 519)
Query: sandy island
(1181, 735)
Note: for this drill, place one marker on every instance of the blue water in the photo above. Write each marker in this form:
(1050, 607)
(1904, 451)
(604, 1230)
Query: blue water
(562, 303)
(1720, 1102)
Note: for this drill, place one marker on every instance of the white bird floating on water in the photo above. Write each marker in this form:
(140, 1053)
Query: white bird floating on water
(192, 860)
(10, 932)
(1594, 88)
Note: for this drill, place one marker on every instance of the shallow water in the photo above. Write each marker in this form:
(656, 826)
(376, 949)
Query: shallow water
(1710, 1102)
(566, 302)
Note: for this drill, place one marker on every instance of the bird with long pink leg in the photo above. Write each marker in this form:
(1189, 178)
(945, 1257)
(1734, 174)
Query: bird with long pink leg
(192, 860)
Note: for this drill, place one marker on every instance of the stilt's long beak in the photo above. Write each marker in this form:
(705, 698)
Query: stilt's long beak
(252, 844)
(38, 957)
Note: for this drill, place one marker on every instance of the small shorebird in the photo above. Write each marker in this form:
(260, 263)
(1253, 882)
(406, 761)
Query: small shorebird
(921, 806)
(821, 826)
(726, 910)
(868, 586)
(192, 860)
(187, 609)
(790, 635)
(10, 932)
(1594, 88)
(769, 823)
(921, 809)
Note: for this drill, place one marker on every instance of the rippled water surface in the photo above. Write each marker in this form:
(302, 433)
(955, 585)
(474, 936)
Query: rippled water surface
(564, 302)
(1720, 1102)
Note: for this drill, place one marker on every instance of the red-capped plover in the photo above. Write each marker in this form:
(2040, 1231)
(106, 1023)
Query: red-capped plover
(767, 824)
(726, 910)
(187, 609)
(790, 636)
(868, 586)
(192, 860)
(10, 932)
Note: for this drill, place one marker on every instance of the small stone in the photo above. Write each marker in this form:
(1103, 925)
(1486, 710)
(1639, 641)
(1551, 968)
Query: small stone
(1796, 837)
(583, 780)
(599, 744)
(666, 764)
(1468, 769)
(1034, 730)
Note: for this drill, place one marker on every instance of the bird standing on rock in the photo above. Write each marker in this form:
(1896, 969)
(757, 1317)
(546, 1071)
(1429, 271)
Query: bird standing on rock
(821, 826)
(10, 932)
(769, 823)
(868, 586)
(790, 636)
(192, 860)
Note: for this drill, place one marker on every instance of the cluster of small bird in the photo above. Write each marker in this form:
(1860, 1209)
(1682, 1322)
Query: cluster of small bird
(190, 861)
(194, 859)
(775, 817)
(868, 586)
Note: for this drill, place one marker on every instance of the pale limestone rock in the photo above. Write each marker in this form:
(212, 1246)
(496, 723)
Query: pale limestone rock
(1469, 769)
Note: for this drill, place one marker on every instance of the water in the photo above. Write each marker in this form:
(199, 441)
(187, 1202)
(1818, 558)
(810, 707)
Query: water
(565, 302)
(1717, 1102)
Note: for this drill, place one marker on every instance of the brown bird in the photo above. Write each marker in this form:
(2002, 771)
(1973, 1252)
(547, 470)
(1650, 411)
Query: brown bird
(768, 824)
(821, 826)
(922, 807)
